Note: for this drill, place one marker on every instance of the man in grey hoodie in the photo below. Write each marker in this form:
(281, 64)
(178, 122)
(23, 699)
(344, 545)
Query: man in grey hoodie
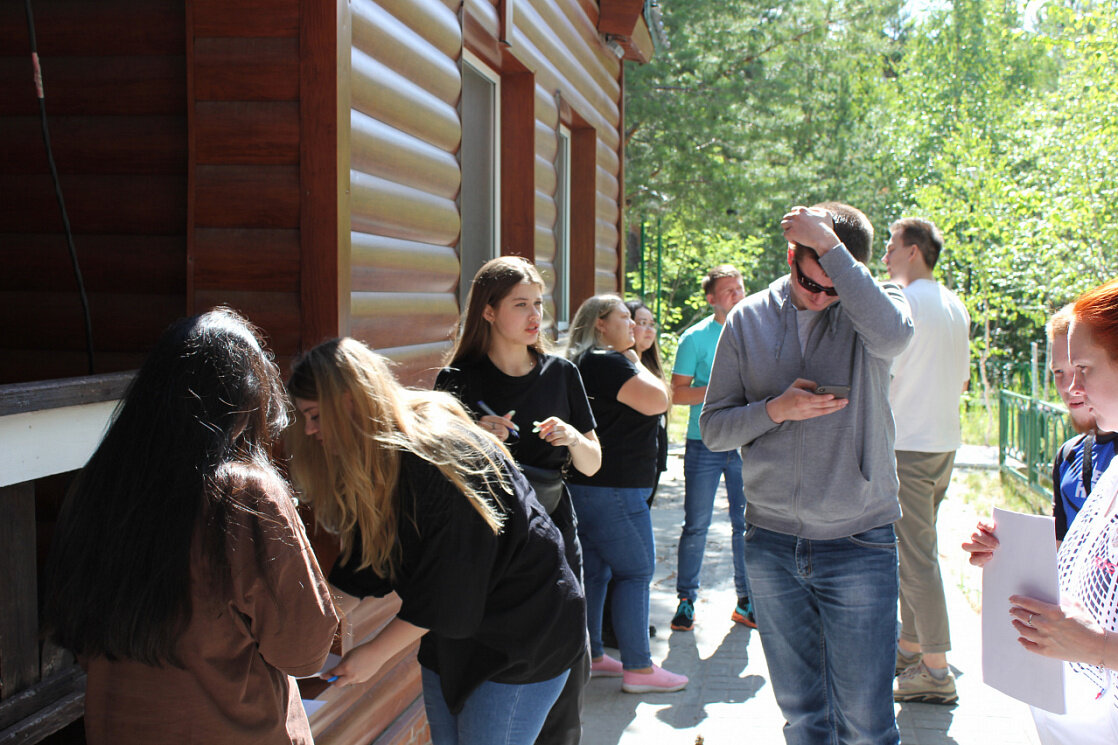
(800, 383)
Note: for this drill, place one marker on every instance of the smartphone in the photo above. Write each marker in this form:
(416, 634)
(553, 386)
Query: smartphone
(838, 391)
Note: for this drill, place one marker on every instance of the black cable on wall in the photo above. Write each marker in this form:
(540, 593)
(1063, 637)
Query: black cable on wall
(38, 75)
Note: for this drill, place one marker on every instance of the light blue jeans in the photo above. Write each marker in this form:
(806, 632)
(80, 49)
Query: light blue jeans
(494, 714)
(615, 528)
(702, 470)
(826, 612)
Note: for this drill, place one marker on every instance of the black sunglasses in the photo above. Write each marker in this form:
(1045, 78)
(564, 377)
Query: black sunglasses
(812, 286)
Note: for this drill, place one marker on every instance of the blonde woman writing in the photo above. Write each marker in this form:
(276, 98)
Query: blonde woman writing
(432, 507)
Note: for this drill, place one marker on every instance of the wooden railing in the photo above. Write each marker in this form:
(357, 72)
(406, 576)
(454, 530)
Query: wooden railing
(46, 428)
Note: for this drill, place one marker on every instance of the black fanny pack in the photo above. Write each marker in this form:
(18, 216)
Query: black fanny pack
(547, 483)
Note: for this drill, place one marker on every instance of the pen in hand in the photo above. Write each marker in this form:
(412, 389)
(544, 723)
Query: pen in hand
(488, 410)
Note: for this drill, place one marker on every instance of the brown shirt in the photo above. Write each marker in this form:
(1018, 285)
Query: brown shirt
(237, 652)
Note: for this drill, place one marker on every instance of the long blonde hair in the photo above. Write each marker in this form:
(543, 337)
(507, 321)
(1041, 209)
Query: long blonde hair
(367, 419)
(584, 334)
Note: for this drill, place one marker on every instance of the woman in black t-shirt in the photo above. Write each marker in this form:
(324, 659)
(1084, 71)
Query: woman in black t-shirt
(648, 347)
(615, 526)
(499, 362)
(430, 506)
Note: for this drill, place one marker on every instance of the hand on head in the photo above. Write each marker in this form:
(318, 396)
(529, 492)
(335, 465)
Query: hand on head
(811, 227)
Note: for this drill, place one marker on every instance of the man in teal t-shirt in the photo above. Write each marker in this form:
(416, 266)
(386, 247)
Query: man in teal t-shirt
(702, 467)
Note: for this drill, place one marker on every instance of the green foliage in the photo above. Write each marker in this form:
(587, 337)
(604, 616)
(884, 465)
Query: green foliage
(685, 257)
(1003, 132)
(755, 107)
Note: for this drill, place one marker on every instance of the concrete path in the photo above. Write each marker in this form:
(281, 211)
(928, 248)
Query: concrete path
(730, 700)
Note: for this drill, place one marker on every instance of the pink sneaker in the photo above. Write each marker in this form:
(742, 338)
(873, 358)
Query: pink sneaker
(607, 667)
(657, 681)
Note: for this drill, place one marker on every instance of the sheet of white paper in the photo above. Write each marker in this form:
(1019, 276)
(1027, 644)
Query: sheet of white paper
(1024, 564)
(311, 705)
(332, 661)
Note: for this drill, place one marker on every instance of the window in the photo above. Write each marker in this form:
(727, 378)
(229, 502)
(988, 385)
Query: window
(479, 159)
(561, 293)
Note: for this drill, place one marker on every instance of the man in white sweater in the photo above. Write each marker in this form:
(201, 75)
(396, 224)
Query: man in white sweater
(928, 379)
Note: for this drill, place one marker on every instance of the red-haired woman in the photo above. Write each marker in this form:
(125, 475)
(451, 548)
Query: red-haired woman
(1083, 628)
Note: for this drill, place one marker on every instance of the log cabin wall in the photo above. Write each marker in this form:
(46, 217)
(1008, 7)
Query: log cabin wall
(405, 133)
(114, 77)
(577, 83)
(404, 138)
(253, 189)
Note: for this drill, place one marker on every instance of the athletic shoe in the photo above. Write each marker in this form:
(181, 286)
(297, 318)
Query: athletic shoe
(684, 617)
(607, 667)
(743, 613)
(917, 685)
(657, 681)
(906, 660)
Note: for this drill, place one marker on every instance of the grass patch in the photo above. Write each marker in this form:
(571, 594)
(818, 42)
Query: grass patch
(979, 425)
(985, 490)
(677, 424)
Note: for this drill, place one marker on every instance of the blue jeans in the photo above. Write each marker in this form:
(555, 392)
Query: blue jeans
(826, 612)
(702, 470)
(494, 714)
(615, 528)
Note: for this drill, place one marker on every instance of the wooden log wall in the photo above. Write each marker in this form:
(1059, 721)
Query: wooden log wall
(244, 217)
(404, 135)
(114, 77)
(552, 52)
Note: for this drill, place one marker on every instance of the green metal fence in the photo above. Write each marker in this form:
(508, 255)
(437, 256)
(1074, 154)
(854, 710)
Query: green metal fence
(1030, 432)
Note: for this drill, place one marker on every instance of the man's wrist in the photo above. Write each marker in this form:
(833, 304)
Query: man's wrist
(771, 408)
(834, 245)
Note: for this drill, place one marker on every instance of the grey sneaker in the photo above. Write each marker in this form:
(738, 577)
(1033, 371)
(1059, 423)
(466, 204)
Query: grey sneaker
(917, 685)
(905, 660)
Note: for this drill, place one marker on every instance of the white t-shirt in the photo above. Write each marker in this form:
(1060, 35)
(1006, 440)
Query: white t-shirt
(929, 375)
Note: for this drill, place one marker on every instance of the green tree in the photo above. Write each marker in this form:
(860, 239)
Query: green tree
(756, 107)
(1003, 130)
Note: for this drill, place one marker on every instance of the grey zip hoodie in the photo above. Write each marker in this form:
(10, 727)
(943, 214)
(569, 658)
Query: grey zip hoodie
(831, 476)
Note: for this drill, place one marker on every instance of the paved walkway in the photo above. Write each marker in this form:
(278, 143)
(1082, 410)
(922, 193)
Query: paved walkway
(729, 699)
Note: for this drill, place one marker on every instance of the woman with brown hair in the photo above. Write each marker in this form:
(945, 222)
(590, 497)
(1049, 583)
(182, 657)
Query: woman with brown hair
(500, 364)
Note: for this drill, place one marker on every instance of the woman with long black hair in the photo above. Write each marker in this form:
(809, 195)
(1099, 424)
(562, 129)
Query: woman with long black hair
(180, 574)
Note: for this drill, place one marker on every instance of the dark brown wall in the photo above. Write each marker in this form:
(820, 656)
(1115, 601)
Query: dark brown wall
(243, 220)
(115, 78)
